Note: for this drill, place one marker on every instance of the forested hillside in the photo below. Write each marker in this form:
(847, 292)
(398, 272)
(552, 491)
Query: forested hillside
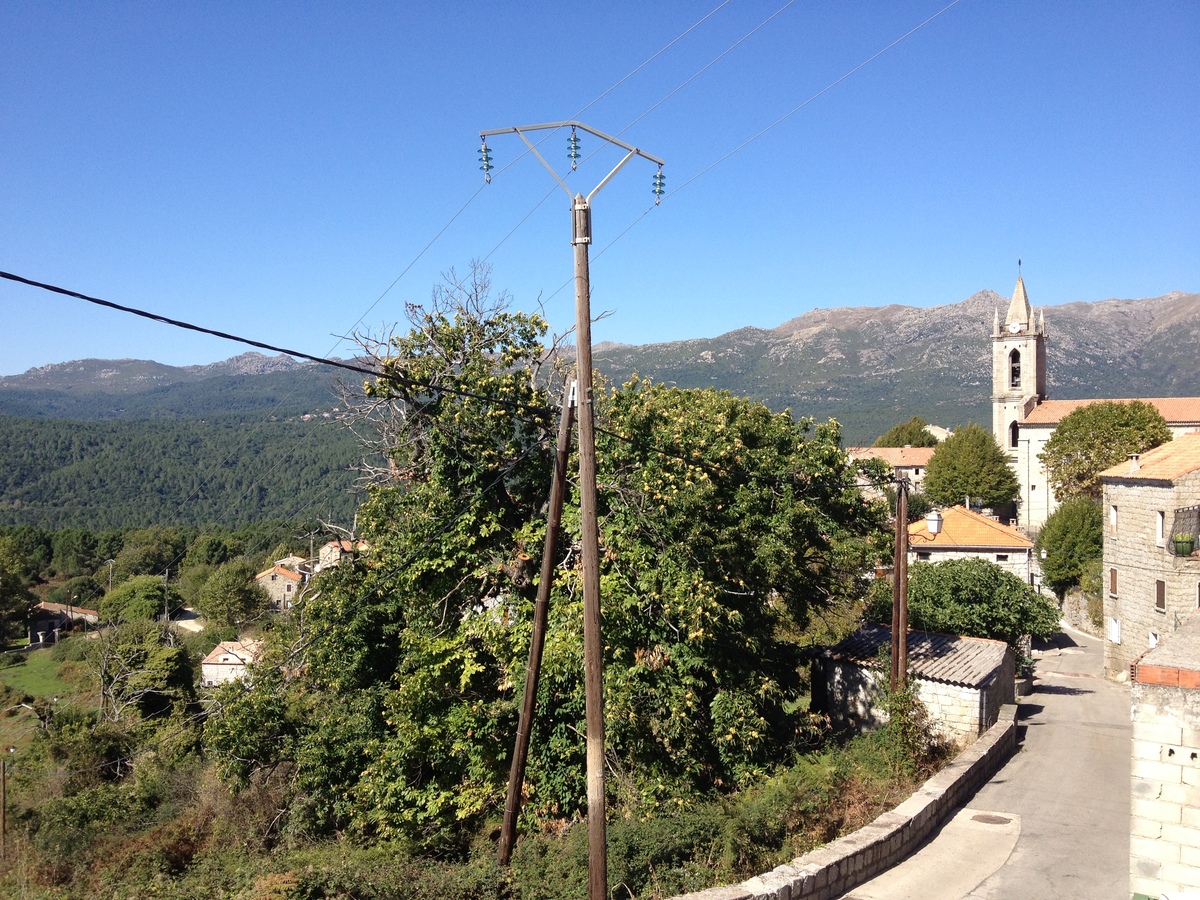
(232, 470)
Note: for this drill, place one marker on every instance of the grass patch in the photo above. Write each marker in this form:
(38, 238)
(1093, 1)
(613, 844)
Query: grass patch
(38, 677)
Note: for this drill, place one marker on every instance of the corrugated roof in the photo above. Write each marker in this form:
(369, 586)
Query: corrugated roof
(1165, 462)
(962, 528)
(896, 457)
(1176, 410)
(936, 657)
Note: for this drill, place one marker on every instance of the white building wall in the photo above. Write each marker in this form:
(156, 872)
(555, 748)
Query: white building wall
(1164, 843)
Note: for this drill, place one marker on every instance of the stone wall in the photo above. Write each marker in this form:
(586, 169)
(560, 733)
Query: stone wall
(958, 713)
(1164, 844)
(838, 867)
(1132, 548)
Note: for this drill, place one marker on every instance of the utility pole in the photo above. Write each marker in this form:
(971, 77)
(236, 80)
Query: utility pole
(581, 237)
(900, 589)
(541, 612)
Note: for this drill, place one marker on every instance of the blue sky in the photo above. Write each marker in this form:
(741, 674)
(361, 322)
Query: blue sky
(270, 169)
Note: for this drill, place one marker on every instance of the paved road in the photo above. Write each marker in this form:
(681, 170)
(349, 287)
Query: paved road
(1054, 822)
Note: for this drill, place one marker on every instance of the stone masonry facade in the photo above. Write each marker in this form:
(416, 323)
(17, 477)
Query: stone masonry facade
(1148, 590)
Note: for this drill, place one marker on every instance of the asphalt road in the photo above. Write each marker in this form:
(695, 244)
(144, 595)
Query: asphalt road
(1054, 822)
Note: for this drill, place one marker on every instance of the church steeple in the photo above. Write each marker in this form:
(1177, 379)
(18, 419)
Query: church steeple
(1019, 311)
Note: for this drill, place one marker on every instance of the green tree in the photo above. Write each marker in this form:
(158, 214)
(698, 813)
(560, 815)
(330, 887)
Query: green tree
(972, 597)
(1072, 537)
(970, 463)
(907, 434)
(725, 527)
(1095, 437)
(230, 596)
(74, 552)
(144, 671)
(82, 591)
(140, 599)
(16, 600)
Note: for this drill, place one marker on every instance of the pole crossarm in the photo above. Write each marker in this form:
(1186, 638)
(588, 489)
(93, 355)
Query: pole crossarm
(520, 130)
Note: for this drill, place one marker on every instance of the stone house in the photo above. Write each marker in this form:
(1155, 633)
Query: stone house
(906, 462)
(1151, 585)
(281, 584)
(1164, 825)
(1023, 416)
(965, 533)
(962, 681)
(227, 662)
(331, 553)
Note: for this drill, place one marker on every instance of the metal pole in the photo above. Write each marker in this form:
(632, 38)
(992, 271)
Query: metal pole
(593, 646)
(541, 609)
(3, 807)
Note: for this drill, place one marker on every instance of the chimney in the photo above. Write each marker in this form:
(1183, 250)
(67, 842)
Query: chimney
(1134, 465)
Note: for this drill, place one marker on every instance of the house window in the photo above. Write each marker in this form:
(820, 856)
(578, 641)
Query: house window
(1153, 639)
(1112, 516)
(1014, 431)
(1160, 596)
(1001, 557)
(1112, 582)
(1160, 528)
(287, 588)
(1114, 630)
(922, 554)
(1014, 369)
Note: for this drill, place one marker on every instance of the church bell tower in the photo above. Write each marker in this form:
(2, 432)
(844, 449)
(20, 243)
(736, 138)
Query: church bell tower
(1018, 368)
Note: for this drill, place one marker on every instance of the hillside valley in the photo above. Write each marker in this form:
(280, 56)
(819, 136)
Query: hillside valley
(114, 443)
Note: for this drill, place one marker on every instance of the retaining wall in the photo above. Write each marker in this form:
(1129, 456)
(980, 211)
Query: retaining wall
(842, 865)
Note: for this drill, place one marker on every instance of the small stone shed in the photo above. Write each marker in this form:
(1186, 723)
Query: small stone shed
(1164, 826)
(962, 681)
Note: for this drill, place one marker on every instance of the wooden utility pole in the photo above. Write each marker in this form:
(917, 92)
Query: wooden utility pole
(3, 807)
(541, 611)
(900, 589)
(593, 646)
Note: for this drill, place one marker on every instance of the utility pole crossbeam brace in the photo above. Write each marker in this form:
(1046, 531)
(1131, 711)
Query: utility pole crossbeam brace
(593, 653)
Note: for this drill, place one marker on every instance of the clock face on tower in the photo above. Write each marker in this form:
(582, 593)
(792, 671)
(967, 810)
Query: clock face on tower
(1014, 327)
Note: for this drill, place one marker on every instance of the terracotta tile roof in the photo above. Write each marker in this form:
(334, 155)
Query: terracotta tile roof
(962, 528)
(1176, 410)
(896, 457)
(1166, 462)
(936, 657)
(279, 570)
(245, 651)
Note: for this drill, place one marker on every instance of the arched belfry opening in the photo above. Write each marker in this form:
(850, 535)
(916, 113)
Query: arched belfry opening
(1014, 432)
(1014, 369)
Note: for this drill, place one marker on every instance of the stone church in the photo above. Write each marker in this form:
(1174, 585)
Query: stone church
(1023, 415)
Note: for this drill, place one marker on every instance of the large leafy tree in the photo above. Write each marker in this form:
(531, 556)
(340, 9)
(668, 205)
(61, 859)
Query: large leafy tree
(723, 527)
(1072, 537)
(971, 596)
(912, 433)
(230, 596)
(1097, 436)
(15, 597)
(970, 463)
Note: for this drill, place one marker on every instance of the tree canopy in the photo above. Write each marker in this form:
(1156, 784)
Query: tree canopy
(723, 527)
(1095, 437)
(912, 433)
(970, 596)
(230, 596)
(1072, 537)
(15, 596)
(970, 463)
